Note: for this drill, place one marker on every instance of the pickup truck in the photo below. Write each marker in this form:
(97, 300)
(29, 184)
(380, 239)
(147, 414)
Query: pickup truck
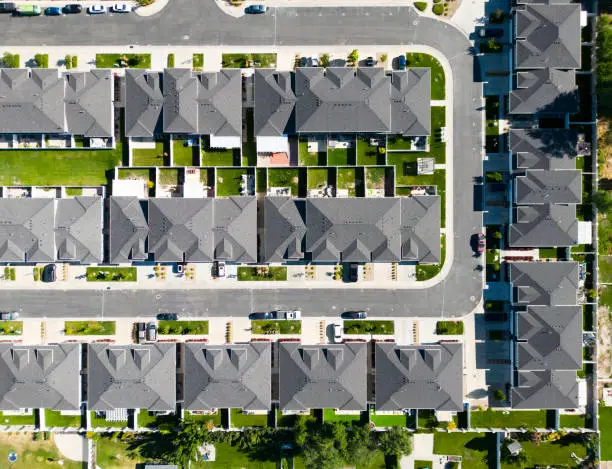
(287, 314)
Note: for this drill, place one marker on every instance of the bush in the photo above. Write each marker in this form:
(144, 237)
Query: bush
(42, 60)
(145, 3)
(324, 60)
(170, 61)
(438, 9)
(499, 395)
(11, 60)
(68, 62)
(75, 61)
(421, 6)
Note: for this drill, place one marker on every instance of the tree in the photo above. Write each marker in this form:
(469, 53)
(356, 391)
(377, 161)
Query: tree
(322, 454)
(353, 57)
(603, 201)
(300, 431)
(186, 442)
(495, 176)
(324, 60)
(396, 442)
(499, 395)
(10, 60)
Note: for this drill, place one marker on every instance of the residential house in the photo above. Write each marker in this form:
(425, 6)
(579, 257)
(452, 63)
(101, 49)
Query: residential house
(544, 283)
(128, 230)
(144, 102)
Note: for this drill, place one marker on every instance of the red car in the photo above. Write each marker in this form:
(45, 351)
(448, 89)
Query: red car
(482, 243)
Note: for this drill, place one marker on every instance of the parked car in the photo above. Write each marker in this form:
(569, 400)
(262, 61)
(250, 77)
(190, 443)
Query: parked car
(338, 333)
(96, 9)
(401, 62)
(7, 7)
(354, 315)
(370, 61)
(72, 9)
(490, 32)
(255, 9)
(353, 274)
(167, 317)
(482, 243)
(314, 61)
(53, 11)
(255, 316)
(141, 329)
(9, 316)
(121, 8)
(152, 332)
(219, 269)
(49, 273)
(296, 314)
(27, 10)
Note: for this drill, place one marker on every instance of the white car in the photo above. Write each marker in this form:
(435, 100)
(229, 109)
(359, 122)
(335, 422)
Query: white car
(296, 314)
(121, 8)
(338, 333)
(96, 9)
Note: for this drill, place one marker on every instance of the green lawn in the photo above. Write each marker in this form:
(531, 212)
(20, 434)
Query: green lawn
(438, 81)
(605, 432)
(100, 422)
(329, 415)
(112, 453)
(347, 179)
(134, 60)
(474, 448)
(428, 271)
(54, 418)
(239, 420)
(420, 464)
(369, 155)
(548, 454)
(248, 60)
(219, 156)
(184, 156)
(515, 419)
(18, 419)
(261, 180)
(139, 173)
(230, 457)
(198, 61)
(605, 296)
(605, 269)
(266, 274)
(437, 148)
(112, 274)
(382, 420)
(31, 454)
(11, 327)
(492, 127)
(229, 181)
(150, 156)
(281, 326)
(311, 159)
(214, 418)
(572, 421)
(58, 167)
(285, 177)
(182, 327)
(89, 327)
(375, 178)
(318, 178)
(449, 327)
(162, 422)
(341, 156)
(362, 326)
(169, 176)
(549, 253)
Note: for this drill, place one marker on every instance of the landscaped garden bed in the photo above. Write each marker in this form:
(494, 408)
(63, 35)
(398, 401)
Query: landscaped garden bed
(182, 327)
(112, 274)
(362, 326)
(89, 327)
(11, 327)
(123, 60)
(449, 327)
(262, 273)
(274, 326)
(248, 60)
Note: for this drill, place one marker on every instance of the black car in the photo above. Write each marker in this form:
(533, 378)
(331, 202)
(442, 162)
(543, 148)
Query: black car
(254, 316)
(354, 315)
(72, 8)
(167, 317)
(7, 7)
(370, 62)
(141, 327)
(353, 274)
(49, 273)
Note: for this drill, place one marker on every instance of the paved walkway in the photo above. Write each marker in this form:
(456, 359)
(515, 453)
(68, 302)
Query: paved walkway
(72, 446)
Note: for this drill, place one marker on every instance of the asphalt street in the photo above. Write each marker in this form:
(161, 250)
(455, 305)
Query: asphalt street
(186, 22)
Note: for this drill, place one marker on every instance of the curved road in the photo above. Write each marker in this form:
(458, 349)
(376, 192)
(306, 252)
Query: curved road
(185, 22)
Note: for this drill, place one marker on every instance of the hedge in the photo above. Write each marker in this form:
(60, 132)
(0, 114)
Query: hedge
(421, 6)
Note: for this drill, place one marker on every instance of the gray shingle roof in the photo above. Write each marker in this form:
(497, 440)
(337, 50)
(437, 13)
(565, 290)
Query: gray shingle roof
(274, 102)
(235, 229)
(144, 102)
(31, 101)
(128, 230)
(419, 377)
(550, 338)
(544, 283)
(131, 377)
(546, 91)
(410, 102)
(548, 36)
(548, 149)
(284, 228)
(545, 390)
(421, 229)
(234, 376)
(26, 230)
(544, 225)
(40, 376)
(203, 102)
(89, 104)
(342, 100)
(552, 187)
(322, 376)
(78, 229)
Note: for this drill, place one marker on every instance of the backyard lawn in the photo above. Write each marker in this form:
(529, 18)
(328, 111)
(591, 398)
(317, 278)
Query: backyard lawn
(437, 148)
(329, 415)
(438, 81)
(169, 176)
(281, 326)
(369, 155)
(133, 60)
(41, 454)
(230, 457)
(341, 156)
(150, 156)
(514, 419)
(375, 178)
(348, 179)
(474, 448)
(319, 177)
(137, 173)
(219, 156)
(58, 167)
(89, 328)
(285, 177)
(361, 326)
(262, 273)
(240, 420)
(113, 453)
(215, 418)
(420, 464)
(386, 420)
(547, 454)
(185, 155)
(605, 269)
(53, 418)
(313, 158)
(111, 274)
(248, 60)
(572, 421)
(182, 327)
(229, 181)
(605, 431)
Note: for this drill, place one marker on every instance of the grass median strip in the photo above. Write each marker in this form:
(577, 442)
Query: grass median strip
(111, 274)
(262, 273)
(369, 327)
(276, 327)
(89, 327)
(182, 327)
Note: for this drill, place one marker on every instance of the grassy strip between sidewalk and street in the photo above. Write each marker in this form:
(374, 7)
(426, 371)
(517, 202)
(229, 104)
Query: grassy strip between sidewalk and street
(362, 326)
(111, 274)
(262, 274)
(182, 327)
(89, 327)
(282, 326)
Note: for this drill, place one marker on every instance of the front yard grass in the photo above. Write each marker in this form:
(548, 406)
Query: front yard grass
(286, 177)
(58, 167)
(281, 326)
(449, 327)
(515, 419)
(89, 327)
(248, 60)
(229, 181)
(474, 448)
(361, 326)
(182, 327)
(112, 274)
(150, 156)
(318, 178)
(306, 158)
(438, 80)
(348, 180)
(133, 60)
(11, 327)
(185, 155)
(53, 418)
(262, 273)
(240, 420)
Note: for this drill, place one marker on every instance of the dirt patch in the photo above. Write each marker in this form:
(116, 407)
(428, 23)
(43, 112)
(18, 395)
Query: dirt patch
(33, 454)
(604, 358)
(604, 148)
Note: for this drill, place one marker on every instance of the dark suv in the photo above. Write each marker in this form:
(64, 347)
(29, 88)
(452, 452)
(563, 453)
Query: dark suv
(7, 7)
(49, 273)
(72, 9)
(354, 315)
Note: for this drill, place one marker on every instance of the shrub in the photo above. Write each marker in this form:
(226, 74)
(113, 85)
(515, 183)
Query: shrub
(11, 60)
(170, 61)
(68, 62)
(421, 6)
(499, 395)
(145, 3)
(383, 57)
(353, 57)
(42, 60)
(438, 9)
(324, 60)
(75, 61)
